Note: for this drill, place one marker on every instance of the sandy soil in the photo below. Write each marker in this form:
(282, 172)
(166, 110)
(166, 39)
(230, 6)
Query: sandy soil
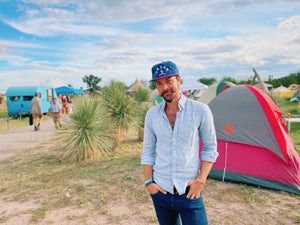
(220, 200)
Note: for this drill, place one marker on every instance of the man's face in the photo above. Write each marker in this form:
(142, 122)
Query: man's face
(168, 87)
(54, 101)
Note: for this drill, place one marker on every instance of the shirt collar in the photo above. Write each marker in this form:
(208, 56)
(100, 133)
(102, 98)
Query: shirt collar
(181, 102)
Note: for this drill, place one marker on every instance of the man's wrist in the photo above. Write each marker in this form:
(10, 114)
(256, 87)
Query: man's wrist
(201, 181)
(149, 181)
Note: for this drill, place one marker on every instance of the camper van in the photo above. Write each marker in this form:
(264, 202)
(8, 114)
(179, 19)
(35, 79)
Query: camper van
(18, 99)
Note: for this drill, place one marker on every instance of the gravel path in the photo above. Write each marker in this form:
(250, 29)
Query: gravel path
(21, 138)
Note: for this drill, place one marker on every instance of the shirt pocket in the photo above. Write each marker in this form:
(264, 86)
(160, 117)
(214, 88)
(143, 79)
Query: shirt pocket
(161, 128)
(188, 131)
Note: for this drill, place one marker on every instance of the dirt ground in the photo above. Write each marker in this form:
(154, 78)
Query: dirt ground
(21, 138)
(222, 206)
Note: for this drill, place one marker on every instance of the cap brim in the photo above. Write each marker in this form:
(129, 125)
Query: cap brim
(168, 75)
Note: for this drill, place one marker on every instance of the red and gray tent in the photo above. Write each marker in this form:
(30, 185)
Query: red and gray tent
(253, 142)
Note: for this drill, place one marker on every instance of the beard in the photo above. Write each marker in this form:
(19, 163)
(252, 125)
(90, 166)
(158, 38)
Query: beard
(169, 95)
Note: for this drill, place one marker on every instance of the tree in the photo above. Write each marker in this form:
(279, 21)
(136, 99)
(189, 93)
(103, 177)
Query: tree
(207, 81)
(230, 79)
(152, 85)
(92, 82)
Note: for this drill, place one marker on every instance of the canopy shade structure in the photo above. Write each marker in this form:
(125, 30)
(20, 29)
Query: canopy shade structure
(192, 85)
(67, 90)
(54, 83)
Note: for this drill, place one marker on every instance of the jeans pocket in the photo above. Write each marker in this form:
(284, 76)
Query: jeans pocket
(194, 199)
(155, 194)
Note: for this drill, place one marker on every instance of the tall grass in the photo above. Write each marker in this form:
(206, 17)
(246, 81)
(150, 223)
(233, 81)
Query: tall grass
(87, 135)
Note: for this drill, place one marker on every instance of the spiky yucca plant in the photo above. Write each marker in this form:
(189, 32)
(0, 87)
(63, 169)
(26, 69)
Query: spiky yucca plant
(141, 94)
(120, 107)
(87, 136)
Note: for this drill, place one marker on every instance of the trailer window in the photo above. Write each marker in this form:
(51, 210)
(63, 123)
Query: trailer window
(27, 98)
(49, 94)
(14, 98)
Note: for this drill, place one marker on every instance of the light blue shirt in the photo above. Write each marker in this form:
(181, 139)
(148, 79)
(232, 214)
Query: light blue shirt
(55, 108)
(174, 153)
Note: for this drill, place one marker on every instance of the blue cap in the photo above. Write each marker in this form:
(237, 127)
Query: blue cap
(164, 69)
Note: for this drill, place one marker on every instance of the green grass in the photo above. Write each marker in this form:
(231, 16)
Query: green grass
(291, 107)
(13, 123)
(3, 113)
(286, 106)
(10, 124)
(295, 135)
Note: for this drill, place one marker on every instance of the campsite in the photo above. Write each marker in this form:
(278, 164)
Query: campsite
(40, 186)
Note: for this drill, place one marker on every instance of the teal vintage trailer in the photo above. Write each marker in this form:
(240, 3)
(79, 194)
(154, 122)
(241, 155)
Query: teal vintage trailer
(18, 99)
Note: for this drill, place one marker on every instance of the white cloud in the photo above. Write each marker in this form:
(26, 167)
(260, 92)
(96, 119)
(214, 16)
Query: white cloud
(14, 60)
(19, 44)
(124, 40)
(173, 24)
(292, 23)
(61, 14)
(45, 27)
(3, 48)
(279, 19)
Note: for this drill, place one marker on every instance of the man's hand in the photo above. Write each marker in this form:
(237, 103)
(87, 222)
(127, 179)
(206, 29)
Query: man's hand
(154, 188)
(195, 189)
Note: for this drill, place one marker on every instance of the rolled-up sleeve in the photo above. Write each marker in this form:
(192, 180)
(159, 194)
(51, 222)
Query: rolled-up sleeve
(149, 143)
(207, 134)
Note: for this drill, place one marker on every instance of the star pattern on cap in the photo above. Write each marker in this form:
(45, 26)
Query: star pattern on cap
(161, 70)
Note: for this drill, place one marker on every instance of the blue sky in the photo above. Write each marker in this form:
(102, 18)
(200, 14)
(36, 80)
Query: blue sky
(119, 39)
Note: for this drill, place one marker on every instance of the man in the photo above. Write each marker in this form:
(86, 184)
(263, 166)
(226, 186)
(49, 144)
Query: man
(55, 112)
(36, 111)
(170, 155)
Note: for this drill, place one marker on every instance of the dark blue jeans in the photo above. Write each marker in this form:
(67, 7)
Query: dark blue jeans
(168, 207)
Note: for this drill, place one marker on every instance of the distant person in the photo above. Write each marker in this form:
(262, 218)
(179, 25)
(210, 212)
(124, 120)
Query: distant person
(59, 98)
(55, 112)
(36, 111)
(64, 102)
(70, 104)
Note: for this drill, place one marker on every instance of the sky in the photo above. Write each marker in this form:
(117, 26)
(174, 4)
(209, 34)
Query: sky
(123, 39)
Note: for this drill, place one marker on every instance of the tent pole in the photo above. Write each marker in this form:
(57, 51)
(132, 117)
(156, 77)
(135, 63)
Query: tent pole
(225, 162)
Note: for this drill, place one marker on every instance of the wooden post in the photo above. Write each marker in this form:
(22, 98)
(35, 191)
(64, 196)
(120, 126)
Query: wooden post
(261, 82)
